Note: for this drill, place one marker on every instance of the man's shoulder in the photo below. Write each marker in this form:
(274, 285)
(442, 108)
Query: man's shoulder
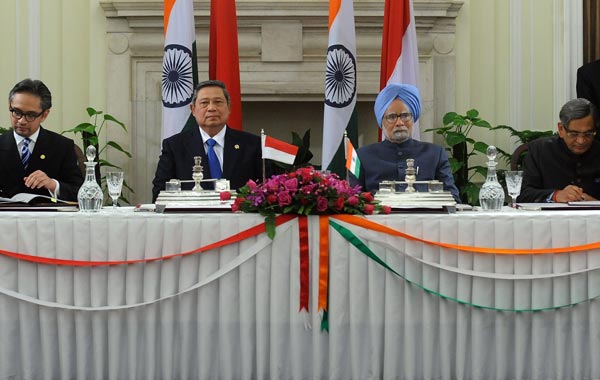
(542, 142)
(590, 67)
(236, 134)
(54, 137)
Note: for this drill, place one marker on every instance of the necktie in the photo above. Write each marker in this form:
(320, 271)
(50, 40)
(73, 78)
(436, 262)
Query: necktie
(213, 160)
(25, 153)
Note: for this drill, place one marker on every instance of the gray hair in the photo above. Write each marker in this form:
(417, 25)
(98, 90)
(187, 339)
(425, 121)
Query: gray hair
(210, 83)
(34, 87)
(578, 109)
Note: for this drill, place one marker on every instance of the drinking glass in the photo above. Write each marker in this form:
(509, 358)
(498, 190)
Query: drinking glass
(514, 178)
(114, 182)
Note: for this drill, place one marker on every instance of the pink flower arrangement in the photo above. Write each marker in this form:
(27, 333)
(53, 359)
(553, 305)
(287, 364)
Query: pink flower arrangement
(304, 191)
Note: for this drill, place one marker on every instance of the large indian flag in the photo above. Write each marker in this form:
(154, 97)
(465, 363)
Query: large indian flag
(340, 85)
(399, 51)
(180, 70)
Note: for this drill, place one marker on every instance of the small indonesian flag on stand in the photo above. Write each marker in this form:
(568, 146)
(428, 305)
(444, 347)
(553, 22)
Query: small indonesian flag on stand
(352, 160)
(278, 150)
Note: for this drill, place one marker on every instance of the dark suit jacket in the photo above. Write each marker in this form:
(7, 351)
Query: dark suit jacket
(242, 158)
(387, 161)
(53, 154)
(551, 166)
(588, 84)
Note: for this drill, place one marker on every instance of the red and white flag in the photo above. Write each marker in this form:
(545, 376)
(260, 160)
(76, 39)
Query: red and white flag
(223, 59)
(399, 51)
(278, 150)
(180, 70)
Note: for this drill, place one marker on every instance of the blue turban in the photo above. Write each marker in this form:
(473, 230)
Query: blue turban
(408, 93)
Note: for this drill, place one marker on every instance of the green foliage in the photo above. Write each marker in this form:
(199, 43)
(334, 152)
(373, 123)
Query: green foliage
(90, 133)
(456, 132)
(4, 130)
(525, 136)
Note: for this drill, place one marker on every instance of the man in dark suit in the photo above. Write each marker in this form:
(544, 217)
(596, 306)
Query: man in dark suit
(238, 154)
(588, 84)
(565, 168)
(397, 107)
(33, 159)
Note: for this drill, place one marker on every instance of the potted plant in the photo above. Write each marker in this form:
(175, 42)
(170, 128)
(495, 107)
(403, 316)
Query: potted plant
(90, 132)
(456, 133)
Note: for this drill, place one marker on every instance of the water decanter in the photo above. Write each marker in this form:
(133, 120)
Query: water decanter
(90, 194)
(491, 195)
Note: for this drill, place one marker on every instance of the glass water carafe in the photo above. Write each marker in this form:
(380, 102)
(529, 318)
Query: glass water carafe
(491, 195)
(90, 194)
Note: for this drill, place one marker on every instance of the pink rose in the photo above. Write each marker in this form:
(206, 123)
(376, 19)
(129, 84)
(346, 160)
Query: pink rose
(386, 209)
(338, 204)
(284, 199)
(237, 204)
(291, 184)
(224, 195)
(369, 209)
(322, 204)
(368, 197)
(353, 201)
(251, 184)
(271, 199)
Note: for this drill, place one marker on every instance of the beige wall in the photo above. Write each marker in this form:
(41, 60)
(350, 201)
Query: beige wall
(510, 60)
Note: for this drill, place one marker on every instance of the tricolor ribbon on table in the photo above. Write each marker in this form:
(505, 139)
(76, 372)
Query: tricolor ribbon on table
(327, 223)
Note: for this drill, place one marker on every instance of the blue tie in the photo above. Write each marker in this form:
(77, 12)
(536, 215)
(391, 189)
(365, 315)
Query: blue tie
(213, 160)
(25, 153)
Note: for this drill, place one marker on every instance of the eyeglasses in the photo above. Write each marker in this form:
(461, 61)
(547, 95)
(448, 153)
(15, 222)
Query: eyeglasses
(573, 134)
(29, 116)
(393, 117)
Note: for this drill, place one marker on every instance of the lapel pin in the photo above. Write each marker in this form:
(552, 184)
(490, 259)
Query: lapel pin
(236, 146)
(43, 156)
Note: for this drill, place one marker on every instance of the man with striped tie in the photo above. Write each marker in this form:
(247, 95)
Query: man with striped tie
(33, 159)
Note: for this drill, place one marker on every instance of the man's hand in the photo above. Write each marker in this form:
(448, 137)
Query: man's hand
(38, 179)
(571, 193)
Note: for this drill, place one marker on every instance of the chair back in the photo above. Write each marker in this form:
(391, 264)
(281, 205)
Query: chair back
(80, 159)
(516, 160)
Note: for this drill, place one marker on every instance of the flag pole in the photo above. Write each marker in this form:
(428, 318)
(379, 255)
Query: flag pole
(262, 146)
(346, 153)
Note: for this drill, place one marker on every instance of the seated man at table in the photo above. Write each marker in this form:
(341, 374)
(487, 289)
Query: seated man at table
(226, 152)
(36, 160)
(397, 107)
(565, 167)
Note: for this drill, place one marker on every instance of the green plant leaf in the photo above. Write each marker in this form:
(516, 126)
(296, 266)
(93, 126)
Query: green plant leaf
(114, 120)
(92, 112)
(473, 113)
(449, 117)
(270, 226)
(482, 123)
(453, 138)
(118, 147)
(480, 147)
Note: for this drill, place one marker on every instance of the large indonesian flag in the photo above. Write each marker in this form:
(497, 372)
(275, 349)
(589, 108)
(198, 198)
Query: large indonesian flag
(180, 73)
(340, 81)
(224, 60)
(399, 52)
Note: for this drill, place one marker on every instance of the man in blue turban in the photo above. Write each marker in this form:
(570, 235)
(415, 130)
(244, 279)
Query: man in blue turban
(397, 107)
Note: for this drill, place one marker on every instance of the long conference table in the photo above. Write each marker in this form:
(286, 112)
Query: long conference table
(134, 295)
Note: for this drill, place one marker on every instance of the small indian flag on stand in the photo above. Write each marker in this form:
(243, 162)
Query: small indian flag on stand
(352, 160)
(278, 150)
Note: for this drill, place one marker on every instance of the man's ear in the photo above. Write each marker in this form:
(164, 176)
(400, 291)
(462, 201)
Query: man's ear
(44, 115)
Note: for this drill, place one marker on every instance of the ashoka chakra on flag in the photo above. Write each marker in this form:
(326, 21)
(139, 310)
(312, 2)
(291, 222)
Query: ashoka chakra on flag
(340, 77)
(177, 76)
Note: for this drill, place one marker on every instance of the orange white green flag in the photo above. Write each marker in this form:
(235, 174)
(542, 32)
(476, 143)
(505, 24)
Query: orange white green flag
(352, 160)
(180, 68)
(340, 85)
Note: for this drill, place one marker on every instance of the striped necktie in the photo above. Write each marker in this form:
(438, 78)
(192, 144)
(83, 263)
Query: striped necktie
(213, 160)
(25, 153)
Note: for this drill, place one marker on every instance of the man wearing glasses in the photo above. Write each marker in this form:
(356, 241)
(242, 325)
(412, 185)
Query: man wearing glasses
(397, 107)
(565, 167)
(33, 159)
